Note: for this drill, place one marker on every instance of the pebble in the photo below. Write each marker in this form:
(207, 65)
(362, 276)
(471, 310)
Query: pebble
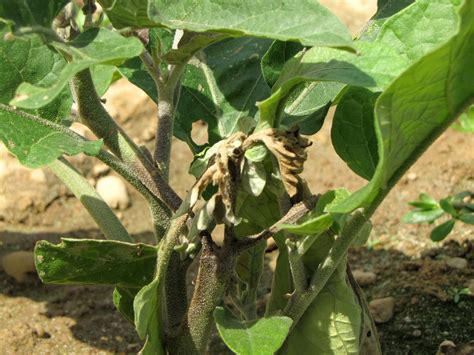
(470, 285)
(38, 176)
(364, 278)
(412, 176)
(382, 309)
(445, 347)
(18, 263)
(457, 263)
(417, 333)
(114, 192)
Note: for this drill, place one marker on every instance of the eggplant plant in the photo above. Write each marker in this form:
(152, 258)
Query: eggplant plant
(262, 74)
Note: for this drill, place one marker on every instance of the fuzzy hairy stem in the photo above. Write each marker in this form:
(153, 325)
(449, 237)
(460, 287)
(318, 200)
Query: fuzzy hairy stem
(94, 116)
(176, 294)
(300, 301)
(292, 216)
(215, 270)
(105, 218)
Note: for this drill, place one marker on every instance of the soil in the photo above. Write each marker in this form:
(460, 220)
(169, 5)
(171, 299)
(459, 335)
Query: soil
(37, 318)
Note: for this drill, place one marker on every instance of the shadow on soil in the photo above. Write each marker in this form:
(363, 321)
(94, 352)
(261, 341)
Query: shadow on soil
(424, 288)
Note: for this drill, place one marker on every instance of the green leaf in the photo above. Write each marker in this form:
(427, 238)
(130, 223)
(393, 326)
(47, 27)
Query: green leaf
(307, 22)
(385, 10)
(147, 306)
(27, 59)
(330, 325)
(254, 177)
(353, 132)
(92, 47)
(313, 226)
(466, 218)
(466, 121)
(123, 301)
(261, 337)
(250, 263)
(416, 108)
(37, 13)
(420, 28)
(424, 202)
(102, 262)
(441, 231)
(447, 206)
(134, 71)
(102, 75)
(308, 104)
(326, 64)
(36, 141)
(221, 87)
(377, 63)
(419, 216)
(276, 57)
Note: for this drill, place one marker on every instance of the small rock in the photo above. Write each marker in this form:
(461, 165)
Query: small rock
(412, 176)
(470, 285)
(382, 309)
(38, 176)
(114, 192)
(18, 263)
(457, 263)
(416, 333)
(407, 319)
(364, 278)
(414, 300)
(447, 346)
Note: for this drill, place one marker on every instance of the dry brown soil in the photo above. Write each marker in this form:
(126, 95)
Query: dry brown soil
(37, 318)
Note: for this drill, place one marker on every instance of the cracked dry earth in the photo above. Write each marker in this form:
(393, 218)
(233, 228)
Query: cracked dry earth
(36, 318)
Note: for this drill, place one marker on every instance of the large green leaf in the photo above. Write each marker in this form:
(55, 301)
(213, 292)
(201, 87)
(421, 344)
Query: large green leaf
(92, 47)
(377, 63)
(375, 66)
(103, 262)
(27, 59)
(261, 337)
(330, 325)
(299, 20)
(418, 107)
(36, 141)
(221, 87)
(37, 13)
(420, 27)
(353, 132)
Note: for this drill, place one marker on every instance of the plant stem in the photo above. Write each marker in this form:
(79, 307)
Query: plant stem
(94, 116)
(107, 221)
